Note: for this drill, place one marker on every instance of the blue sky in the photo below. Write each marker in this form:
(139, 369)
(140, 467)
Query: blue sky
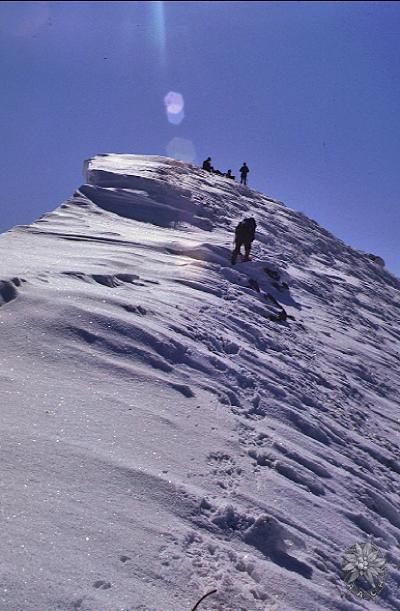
(308, 93)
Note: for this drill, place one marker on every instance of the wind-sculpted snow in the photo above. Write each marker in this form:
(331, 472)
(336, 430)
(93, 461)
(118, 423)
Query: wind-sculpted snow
(174, 425)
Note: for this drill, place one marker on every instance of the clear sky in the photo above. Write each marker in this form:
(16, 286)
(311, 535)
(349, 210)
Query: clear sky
(307, 93)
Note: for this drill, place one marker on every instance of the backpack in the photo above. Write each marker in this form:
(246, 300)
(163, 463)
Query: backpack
(246, 229)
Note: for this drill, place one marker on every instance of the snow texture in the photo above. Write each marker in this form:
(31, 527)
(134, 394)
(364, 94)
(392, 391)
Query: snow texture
(172, 424)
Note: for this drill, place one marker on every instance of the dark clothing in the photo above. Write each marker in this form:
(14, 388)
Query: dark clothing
(207, 165)
(244, 235)
(244, 170)
(229, 175)
(236, 251)
(246, 230)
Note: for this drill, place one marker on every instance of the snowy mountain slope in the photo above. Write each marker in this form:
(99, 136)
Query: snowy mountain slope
(172, 424)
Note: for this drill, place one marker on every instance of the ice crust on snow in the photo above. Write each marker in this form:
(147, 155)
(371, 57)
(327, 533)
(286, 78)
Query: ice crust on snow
(166, 431)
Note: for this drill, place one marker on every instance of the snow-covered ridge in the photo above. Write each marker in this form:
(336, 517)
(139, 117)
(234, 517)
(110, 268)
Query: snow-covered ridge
(173, 424)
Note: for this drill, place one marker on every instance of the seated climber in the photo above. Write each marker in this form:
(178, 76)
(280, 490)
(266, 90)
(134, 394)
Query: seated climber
(207, 165)
(229, 175)
(244, 235)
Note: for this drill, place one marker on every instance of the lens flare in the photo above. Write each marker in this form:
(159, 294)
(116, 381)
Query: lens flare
(160, 29)
(174, 104)
(176, 119)
(181, 149)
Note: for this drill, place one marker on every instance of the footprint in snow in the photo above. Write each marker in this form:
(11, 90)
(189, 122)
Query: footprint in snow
(103, 585)
(225, 470)
(8, 289)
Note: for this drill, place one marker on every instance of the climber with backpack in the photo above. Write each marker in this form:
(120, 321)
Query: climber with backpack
(244, 235)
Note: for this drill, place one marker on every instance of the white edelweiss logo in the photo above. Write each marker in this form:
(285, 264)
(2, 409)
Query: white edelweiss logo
(364, 570)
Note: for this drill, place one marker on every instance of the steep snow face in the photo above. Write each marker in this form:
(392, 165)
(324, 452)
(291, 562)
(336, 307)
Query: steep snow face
(173, 425)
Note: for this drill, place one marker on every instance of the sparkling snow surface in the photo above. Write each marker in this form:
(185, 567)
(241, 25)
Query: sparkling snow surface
(163, 434)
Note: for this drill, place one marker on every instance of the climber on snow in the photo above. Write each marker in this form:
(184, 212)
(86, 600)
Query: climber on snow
(244, 235)
(244, 170)
(207, 165)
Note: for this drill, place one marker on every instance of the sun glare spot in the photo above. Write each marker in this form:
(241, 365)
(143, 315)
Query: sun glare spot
(177, 118)
(159, 23)
(174, 104)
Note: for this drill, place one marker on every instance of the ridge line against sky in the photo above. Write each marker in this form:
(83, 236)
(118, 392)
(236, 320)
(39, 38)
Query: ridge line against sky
(306, 92)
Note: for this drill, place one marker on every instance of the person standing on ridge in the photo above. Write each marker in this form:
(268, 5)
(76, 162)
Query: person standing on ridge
(207, 165)
(244, 234)
(244, 170)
